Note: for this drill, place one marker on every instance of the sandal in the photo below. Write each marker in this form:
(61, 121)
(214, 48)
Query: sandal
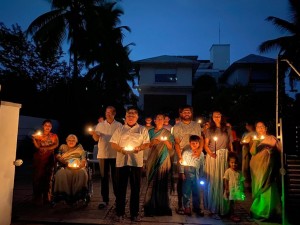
(102, 205)
(235, 218)
(179, 211)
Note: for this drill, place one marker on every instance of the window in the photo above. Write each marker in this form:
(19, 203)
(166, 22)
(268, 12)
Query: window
(166, 78)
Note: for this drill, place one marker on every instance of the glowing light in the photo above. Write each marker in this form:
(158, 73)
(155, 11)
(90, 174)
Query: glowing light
(184, 163)
(202, 182)
(38, 133)
(128, 148)
(164, 138)
(199, 121)
(215, 138)
(90, 129)
(262, 137)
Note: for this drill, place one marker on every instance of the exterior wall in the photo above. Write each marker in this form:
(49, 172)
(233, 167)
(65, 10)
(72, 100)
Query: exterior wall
(261, 79)
(220, 56)
(181, 89)
(240, 76)
(147, 76)
(9, 117)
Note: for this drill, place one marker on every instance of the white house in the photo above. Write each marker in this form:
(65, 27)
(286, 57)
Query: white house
(165, 83)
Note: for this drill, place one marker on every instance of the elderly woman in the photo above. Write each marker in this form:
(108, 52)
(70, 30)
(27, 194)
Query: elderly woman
(71, 178)
(264, 167)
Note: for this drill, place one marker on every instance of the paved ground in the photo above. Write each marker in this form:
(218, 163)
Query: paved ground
(24, 212)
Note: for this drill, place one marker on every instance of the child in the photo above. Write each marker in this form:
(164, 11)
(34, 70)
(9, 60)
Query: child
(234, 185)
(191, 166)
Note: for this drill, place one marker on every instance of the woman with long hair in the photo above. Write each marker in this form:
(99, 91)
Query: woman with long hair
(218, 141)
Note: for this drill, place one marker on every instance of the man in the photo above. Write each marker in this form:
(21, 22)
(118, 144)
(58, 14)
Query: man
(129, 141)
(182, 132)
(106, 155)
(167, 124)
(148, 122)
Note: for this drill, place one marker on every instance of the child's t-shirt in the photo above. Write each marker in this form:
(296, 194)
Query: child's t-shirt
(236, 184)
(191, 161)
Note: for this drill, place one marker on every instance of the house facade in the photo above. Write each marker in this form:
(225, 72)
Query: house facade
(165, 83)
(256, 71)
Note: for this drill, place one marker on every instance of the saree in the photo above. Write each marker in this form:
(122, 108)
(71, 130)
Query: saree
(264, 168)
(71, 183)
(158, 168)
(43, 164)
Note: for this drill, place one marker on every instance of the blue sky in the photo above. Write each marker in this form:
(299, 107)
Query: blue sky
(179, 27)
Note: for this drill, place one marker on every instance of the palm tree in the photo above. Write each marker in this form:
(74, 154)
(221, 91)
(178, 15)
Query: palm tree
(289, 46)
(68, 19)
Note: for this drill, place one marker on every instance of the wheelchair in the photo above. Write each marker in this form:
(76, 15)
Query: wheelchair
(81, 197)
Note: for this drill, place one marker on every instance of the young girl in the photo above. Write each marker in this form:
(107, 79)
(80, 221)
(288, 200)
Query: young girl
(234, 185)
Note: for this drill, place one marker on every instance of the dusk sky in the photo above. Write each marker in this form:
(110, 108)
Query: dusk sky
(179, 27)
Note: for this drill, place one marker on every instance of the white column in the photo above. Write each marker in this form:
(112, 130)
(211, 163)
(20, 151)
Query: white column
(9, 120)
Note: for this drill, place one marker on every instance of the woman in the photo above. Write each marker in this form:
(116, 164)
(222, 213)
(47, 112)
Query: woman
(218, 141)
(264, 167)
(158, 168)
(71, 178)
(43, 162)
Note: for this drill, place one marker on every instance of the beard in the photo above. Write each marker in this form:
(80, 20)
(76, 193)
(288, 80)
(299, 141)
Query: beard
(186, 118)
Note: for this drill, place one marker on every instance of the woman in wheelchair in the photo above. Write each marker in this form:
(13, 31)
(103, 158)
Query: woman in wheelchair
(71, 178)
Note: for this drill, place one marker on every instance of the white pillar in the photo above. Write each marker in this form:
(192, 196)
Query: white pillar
(9, 120)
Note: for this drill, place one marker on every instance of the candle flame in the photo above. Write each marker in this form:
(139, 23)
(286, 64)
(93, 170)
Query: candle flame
(215, 138)
(128, 148)
(262, 137)
(90, 129)
(184, 163)
(163, 138)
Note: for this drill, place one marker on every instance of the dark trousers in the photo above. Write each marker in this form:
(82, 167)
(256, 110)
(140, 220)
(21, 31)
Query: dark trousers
(179, 192)
(107, 170)
(134, 174)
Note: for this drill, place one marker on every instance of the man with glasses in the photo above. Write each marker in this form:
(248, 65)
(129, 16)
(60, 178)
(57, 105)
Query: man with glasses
(129, 141)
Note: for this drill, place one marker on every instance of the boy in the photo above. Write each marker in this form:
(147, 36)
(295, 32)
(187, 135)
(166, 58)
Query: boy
(191, 167)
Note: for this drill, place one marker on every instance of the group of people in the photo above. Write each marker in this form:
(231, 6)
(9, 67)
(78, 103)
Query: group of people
(121, 149)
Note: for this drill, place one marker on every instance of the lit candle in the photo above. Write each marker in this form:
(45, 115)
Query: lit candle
(90, 129)
(164, 138)
(73, 165)
(184, 163)
(244, 141)
(215, 139)
(255, 137)
(128, 148)
(38, 133)
(199, 121)
(262, 137)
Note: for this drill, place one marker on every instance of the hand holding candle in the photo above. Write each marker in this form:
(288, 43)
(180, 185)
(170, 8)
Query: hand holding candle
(74, 164)
(184, 163)
(163, 138)
(215, 139)
(128, 148)
(37, 135)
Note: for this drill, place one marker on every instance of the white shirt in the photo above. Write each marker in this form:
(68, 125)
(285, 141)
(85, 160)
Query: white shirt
(105, 131)
(133, 136)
